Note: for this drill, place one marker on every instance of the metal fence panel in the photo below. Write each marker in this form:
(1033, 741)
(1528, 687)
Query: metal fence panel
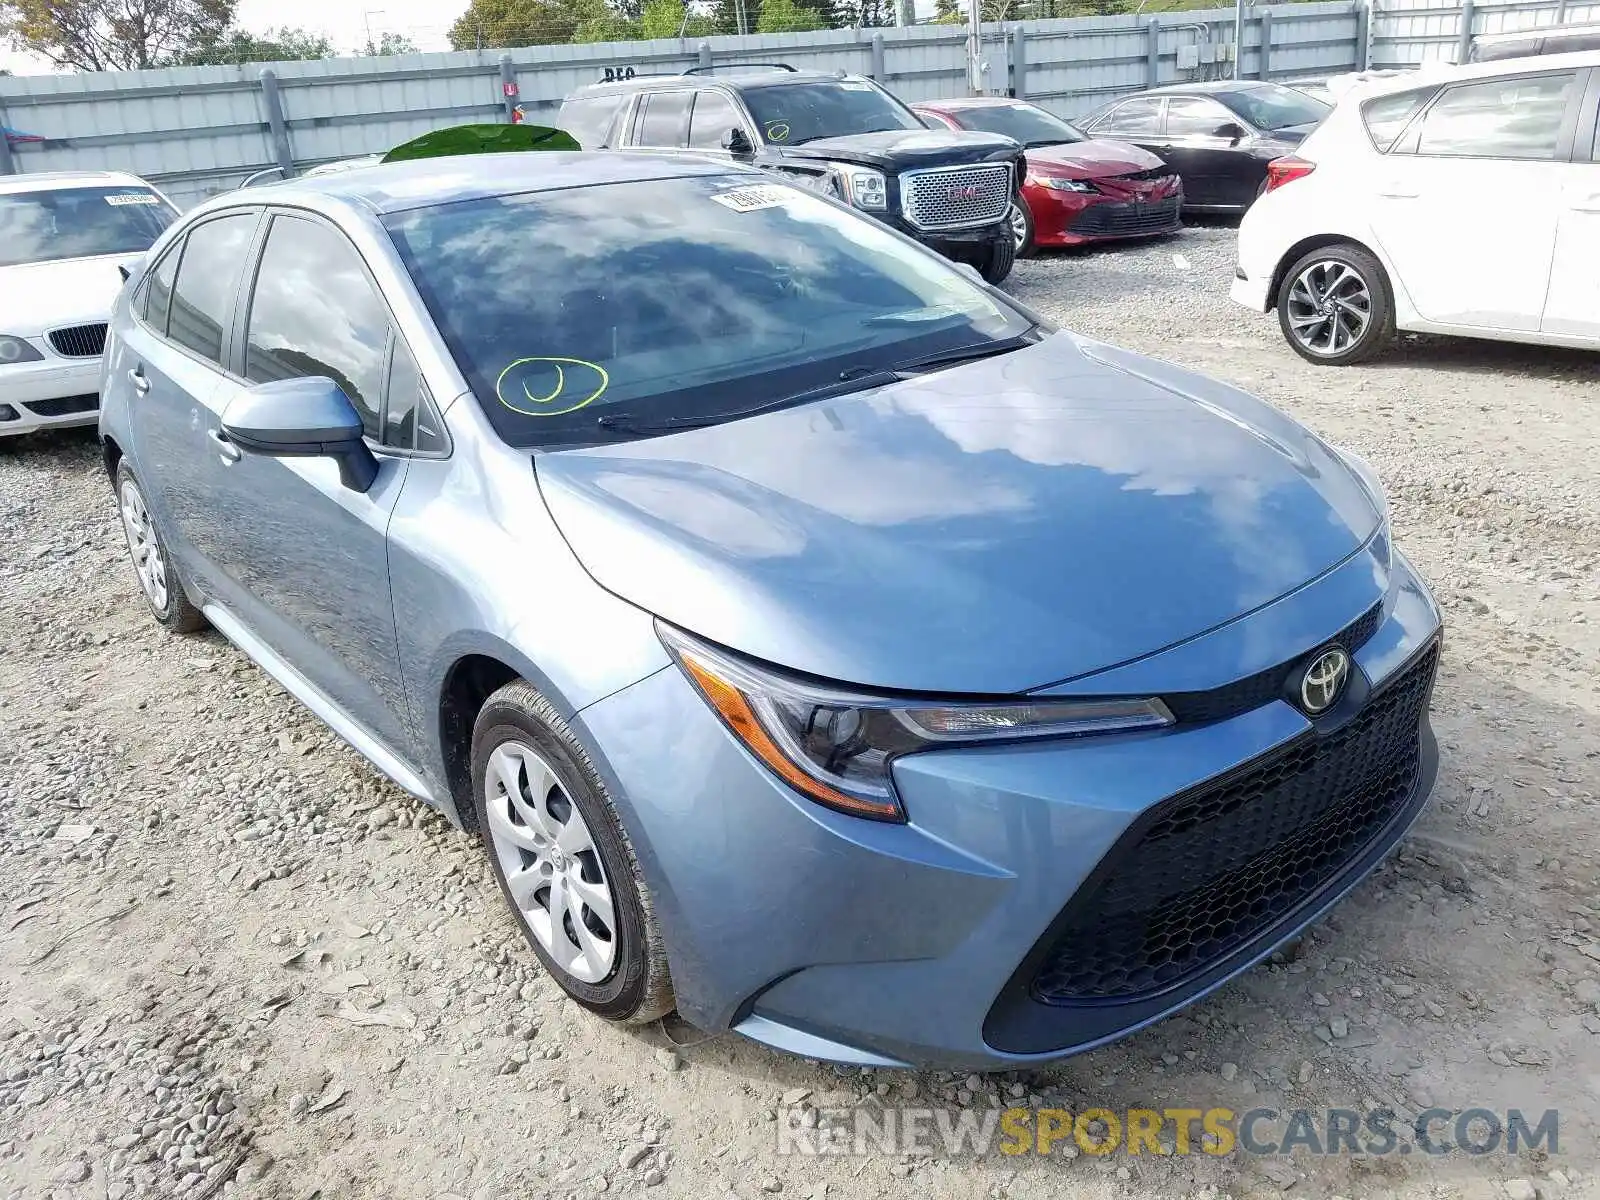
(198, 131)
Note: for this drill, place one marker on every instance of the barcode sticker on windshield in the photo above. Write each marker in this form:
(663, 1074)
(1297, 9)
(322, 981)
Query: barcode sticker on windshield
(748, 199)
(133, 198)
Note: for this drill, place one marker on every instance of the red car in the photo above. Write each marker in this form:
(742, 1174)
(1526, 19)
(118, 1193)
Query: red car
(1078, 189)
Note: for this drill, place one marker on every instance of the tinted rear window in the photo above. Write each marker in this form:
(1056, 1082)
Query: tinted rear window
(674, 298)
(60, 223)
(587, 118)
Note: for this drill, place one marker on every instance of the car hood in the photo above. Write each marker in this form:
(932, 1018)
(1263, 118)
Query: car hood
(1092, 159)
(39, 296)
(988, 529)
(909, 149)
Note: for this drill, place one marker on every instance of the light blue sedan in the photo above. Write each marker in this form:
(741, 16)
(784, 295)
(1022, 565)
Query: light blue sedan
(820, 643)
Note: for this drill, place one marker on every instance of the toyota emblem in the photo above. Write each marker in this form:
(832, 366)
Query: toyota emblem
(1324, 680)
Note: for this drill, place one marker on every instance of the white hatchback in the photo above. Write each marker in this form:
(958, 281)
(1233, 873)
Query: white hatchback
(1463, 200)
(63, 237)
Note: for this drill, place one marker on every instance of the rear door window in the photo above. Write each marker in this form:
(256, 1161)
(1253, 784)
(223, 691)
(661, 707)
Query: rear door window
(588, 119)
(661, 118)
(1519, 118)
(1142, 116)
(208, 276)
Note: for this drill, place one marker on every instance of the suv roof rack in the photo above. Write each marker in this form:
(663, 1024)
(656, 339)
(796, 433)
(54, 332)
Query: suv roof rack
(756, 66)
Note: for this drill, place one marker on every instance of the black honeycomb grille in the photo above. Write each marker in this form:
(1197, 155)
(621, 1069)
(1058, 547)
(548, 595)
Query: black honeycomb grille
(1213, 869)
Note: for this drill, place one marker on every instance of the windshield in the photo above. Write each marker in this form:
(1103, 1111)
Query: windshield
(1026, 123)
(792, 113)
(60, 223)
(1274, 107)
(675, 300)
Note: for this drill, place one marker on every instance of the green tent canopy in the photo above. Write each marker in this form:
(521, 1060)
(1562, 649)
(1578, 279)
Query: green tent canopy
(482, 139)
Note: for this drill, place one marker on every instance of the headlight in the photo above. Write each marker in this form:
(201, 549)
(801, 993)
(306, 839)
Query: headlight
(1056, 184)
(15, 350)
(836, 747)
(862, 187)
(1369, 480)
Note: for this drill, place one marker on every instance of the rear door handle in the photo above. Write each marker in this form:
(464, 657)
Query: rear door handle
(229, 452)
(1587, 204)
(141, 381)
(1398, 194)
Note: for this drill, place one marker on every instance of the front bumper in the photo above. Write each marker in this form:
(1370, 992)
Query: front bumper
(962, 245)
(53, 393)
(1250, 291)
(921, 944)
(1080, 218)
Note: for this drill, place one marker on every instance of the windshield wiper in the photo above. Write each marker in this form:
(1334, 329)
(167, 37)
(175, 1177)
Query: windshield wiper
(968, 353)
(852, 379)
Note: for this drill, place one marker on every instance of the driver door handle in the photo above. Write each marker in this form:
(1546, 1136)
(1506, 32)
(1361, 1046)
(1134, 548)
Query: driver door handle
(229, 452)
(141, 381)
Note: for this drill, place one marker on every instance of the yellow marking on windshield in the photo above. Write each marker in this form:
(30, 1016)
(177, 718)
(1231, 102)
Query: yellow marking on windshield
(540, 406)
(778, 131)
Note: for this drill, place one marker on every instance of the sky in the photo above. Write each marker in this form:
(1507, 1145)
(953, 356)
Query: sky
(345, 22)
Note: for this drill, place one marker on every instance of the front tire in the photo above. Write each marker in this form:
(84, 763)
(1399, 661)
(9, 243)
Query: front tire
(1020, 219)
(1334, 307)
(997, 264)
(563, 860)
(158, 578)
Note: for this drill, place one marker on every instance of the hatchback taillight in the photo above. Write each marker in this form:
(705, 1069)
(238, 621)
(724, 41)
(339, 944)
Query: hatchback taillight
(1286, 170)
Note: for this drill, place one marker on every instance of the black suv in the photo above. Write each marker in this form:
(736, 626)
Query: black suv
(840, 134)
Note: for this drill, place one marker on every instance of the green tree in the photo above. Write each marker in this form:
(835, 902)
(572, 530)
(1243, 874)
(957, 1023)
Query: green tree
(276, 45)
(787, 16)
(490, 24)
(389, 43)
(113, 35)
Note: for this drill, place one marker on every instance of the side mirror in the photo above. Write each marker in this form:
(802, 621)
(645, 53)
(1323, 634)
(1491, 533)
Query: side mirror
(1228, 129)
(302, 418)
(737, 143)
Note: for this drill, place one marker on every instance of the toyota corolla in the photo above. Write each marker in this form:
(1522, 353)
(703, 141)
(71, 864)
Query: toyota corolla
(818, 641)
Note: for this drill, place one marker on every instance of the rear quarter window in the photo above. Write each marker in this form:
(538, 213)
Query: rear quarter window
(588, 118)
(1386, 117)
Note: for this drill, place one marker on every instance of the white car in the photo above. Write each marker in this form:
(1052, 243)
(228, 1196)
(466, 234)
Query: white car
(63, 237)
(1461, 201)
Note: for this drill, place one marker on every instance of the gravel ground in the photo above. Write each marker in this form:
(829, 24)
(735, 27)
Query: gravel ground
(234, 961)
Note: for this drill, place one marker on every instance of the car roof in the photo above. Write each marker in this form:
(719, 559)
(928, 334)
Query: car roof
(956, 103)
(1433, 74)
(425, 182)
(1542, 31)
(1211, 87)
(53, 180)
(731, 78)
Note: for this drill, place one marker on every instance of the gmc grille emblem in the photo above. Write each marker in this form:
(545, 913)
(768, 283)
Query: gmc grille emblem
(963, 192)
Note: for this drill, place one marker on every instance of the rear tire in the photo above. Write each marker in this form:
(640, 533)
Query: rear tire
(563, 860)
(996, 266)
(158, 577)
(1334, 307)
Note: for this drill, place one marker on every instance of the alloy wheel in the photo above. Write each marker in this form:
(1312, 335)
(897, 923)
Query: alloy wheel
(1018, 221)
(143, 545)
(1329, 308)
(551, 866)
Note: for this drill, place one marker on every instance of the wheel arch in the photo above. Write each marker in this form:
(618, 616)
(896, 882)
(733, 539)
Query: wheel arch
(1322, 241)
(468, 682)
(112, 453)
